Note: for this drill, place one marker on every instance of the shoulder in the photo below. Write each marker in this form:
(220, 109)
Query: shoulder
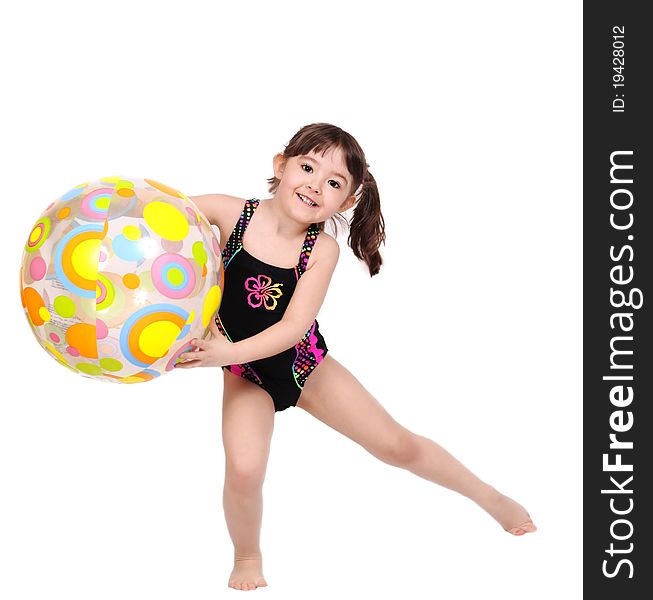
(328, 243)
(326, 250)
(216, 206)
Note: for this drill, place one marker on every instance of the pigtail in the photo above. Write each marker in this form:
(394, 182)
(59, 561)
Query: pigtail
(367, 227)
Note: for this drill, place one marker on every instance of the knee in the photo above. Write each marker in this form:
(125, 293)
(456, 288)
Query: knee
(245, 476)
(402, 449)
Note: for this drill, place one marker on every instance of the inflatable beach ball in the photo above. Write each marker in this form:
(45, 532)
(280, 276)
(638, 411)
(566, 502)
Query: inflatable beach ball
(118, 275)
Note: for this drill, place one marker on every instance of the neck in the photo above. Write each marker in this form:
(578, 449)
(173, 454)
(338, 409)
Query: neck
(281, 224)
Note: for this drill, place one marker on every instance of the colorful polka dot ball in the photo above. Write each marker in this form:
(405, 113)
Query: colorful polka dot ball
(118, 275)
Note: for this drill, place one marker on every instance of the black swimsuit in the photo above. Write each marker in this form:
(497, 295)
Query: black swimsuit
(255, 296)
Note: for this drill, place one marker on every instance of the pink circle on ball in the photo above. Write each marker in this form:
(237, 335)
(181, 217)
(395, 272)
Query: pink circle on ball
(163, 285)
(101, 329)
(103, 256)
(55, 338)
(37, 268)
(72, 351)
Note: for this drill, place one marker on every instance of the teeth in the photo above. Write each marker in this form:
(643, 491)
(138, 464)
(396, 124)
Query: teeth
(305, 200)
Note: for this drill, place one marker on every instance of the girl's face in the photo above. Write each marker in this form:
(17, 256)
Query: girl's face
(314, 187)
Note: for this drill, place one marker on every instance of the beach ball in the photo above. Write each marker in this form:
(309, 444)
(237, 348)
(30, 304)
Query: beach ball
(118, 275)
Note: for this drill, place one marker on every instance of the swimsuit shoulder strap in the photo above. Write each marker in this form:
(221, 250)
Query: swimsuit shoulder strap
(235, 241)
(307, 248)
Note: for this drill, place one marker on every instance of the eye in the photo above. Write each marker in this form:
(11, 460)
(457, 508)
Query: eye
(337, 186)
(309, 166)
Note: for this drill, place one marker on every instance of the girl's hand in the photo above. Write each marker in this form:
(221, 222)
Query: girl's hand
(216, 351)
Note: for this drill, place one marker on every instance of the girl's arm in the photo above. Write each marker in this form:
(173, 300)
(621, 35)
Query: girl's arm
(221, 210)
(299, 316)
(209, 205)
(301, 311)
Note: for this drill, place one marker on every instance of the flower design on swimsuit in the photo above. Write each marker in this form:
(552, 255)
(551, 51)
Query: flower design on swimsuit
(263, 292)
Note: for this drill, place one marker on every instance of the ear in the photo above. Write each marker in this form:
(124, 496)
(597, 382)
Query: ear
(347, 204)
(278, 165)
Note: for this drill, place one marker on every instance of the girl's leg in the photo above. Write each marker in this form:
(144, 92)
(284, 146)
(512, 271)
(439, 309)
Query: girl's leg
(247, 425)
(334, 396)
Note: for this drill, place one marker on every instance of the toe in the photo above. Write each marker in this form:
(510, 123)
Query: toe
(526, 527)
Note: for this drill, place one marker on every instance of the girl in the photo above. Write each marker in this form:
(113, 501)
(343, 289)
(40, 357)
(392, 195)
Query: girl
(272, 294)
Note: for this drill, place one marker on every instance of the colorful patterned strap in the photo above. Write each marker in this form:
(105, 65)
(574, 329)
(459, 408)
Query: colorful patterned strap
(307, 248)
(235, 241)
(309, 355)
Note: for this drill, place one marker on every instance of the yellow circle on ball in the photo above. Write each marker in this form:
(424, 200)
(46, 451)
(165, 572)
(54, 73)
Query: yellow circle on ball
(166, 221)
(35, 235)
(211, 303)
(131, 232)
(155, 339)
(85, 259)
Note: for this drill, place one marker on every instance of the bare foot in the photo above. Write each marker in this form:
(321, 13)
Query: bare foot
(247, 574)
(511, 515)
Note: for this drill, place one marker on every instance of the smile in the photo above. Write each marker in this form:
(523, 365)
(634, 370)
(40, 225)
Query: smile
(306, 200)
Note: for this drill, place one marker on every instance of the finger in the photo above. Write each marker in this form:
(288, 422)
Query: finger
(213, 326)
(188, 365)
(199, 344)
(186, 356)
(215, 330)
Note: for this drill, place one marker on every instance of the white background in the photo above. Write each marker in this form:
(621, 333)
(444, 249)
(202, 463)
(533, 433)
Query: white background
(470, 117)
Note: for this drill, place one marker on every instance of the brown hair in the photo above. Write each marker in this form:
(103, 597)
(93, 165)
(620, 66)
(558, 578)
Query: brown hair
(367, 227)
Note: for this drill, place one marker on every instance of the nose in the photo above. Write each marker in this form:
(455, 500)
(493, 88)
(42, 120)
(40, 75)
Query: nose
(313, 187)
